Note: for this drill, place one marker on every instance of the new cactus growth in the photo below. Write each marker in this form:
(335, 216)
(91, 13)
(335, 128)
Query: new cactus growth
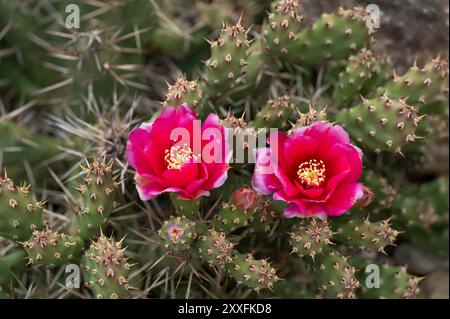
(20, 215)
(51, 248)
(105, 269)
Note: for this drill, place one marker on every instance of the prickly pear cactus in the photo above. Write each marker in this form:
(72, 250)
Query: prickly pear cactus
(382, 124)
(105, 269)
(48, 247)
(97, 196)
(20, 215)
(226, 67)
(329, 154)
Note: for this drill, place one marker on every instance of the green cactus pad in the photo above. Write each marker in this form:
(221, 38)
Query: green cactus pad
(226, 68)
(275, 113)
(310, 237)
(395, 283)
(19, 214)
(335, 276)
(253, 273)
(215, 249)
(366, 235)
(309, 117)
(421, 86)
(333, 37)
(231, 218)
(282, 29)
(105, 269)
(360, 69)
(384, 193)
(50, 248)
(187, 208)
(381, 124)
(98, 197)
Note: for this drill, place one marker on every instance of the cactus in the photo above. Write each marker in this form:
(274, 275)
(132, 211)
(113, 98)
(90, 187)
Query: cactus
(335, 276)
(395, 283)
(239, 213)
(382, 124)
(385, 193)
(360, 69)
(366, 235)
(68, 94)
(178, 234)
(188, 208)
(421, 86)
(97, 198)
(105, 269)
(275, 113)
(309, 117)
(284, 23)
(183, 91)
(333, 37)
(311, 237)
(226, 67)
(256, 274)
(20, 215)
(215, 249)
(50, 248)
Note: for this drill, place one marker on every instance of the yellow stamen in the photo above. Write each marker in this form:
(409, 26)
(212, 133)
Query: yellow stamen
(311, 173)
(178, 156)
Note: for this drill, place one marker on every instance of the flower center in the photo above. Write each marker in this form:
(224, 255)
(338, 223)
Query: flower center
(311, 173)
(175, 232)
(177, 156)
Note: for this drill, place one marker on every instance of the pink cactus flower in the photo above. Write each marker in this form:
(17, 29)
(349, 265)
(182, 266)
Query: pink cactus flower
(175, 153)
(315, 170)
